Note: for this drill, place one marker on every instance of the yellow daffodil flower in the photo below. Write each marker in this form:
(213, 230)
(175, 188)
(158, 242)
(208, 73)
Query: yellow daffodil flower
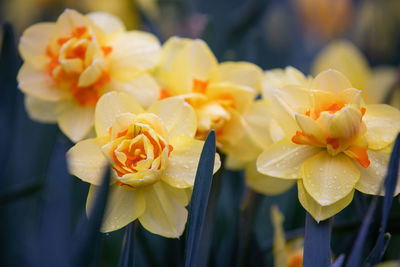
(345, 57)
(288, 254)
(69, 64)
(154, 159)
(334, 143)
(219, 93)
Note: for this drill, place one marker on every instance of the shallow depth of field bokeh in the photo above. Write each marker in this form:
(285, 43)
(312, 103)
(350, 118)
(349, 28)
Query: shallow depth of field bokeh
(239, 228)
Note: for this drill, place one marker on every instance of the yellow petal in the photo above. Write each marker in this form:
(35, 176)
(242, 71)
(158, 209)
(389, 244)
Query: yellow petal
(318, 212)
(40, 110)
(239, 73)
(76, 121)
(346, 123)
(170, 49)
(259, 124)
(183, 161)
(242, 96)
(265, 184)
(351, 96)
(236, 141)
(277, 78)
(284, 159)
(234, 164)
(178, 116)
(194, 61)
(86, 161)
(346, 58)
(165, 212)
(311, 127)
(124, 205)
(39, 84)
(381, 81)
(327, 178)
(281, 256)
(34, 41)
(107, 22)
(288, 101)
(67, 22)
(331, 81)
(133, 52)
(92, 73)
(383, 124)
(371, 180)
(143, 88)
(109, 106)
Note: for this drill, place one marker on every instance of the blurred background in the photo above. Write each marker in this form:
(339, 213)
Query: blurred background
(269, 33)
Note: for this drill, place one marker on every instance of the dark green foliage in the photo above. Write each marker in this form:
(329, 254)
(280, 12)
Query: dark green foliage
(127, 258)
(317, 242)
(198, 206)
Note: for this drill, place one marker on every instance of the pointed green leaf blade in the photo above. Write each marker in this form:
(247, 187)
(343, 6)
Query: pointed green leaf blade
(199, 201)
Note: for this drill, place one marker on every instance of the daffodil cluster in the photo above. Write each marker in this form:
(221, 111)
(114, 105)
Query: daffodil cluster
(148, 108)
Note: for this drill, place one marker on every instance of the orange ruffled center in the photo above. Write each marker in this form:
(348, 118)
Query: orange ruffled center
(138, 155)
(346, 136)
(212, 111)
(77, 64)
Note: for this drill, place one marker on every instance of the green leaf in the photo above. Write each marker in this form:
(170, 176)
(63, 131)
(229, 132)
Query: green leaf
(376, 254)
(87, 236)
(317, 242)
(127, 258)
(199, 201)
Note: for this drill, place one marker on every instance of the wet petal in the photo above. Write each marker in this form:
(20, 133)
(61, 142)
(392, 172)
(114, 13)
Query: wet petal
(39, 84)
(109, 106)
(165, 212)
(265, 184)
(76, 121)
(318, 212)
(383, 124)
(327, 178)
(86, 161)
(372, 178)
(124, 205)
(183, 162)
(178, 116)
(284, 159)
